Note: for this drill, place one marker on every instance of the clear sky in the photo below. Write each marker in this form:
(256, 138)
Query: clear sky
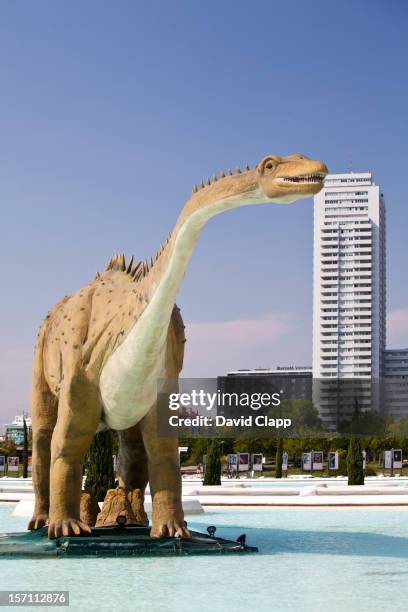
(110, 111)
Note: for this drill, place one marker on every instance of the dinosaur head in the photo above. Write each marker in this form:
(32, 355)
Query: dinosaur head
(275, 179)
(285, 179)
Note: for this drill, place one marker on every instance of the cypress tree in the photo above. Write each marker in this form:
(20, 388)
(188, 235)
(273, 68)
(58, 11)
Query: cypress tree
(355, 470)
(278, 460)
(25, 450)
(100, 474)
(213, 464)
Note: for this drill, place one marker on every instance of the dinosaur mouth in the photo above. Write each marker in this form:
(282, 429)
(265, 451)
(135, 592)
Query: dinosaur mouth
(315, 178)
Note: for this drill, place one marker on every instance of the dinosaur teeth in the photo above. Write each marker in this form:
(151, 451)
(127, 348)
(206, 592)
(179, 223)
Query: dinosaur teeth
(207, 182)
(195, 188)
(214, 178)
(202, 184)
(306, 178)
(247, 167)
(229, 172)
(222, 174)
(238, 170)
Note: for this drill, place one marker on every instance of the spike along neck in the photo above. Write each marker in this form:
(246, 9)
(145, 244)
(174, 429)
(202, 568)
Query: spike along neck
(129, 379)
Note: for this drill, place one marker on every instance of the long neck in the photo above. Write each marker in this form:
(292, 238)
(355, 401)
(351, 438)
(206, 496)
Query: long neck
(163, 281)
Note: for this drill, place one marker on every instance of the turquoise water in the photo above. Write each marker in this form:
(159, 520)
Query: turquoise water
(342, 560)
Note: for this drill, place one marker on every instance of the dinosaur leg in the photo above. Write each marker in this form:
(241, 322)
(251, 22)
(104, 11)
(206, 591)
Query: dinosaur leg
(164, 479)
(78, 417)
(44, 416)
(133, 474)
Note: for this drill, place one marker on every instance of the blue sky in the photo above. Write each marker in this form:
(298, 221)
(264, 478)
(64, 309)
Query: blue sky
(110, 111)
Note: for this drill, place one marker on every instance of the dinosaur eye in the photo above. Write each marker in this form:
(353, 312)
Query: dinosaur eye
(269, 165)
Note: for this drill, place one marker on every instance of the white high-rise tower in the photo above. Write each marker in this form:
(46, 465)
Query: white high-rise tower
(349, 292)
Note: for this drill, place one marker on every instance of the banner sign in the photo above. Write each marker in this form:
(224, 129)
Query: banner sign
(243, 462)
(397, 458)
(12, 464)
(2, 463)
(307, 462)
(256, 460)
(388, 459)
(285, 460)
(333, 460)
(232, 460)
(317, 460)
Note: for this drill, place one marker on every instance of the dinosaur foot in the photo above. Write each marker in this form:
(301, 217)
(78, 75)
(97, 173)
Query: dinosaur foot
(169, 525)
(67, 527)
(37, 521)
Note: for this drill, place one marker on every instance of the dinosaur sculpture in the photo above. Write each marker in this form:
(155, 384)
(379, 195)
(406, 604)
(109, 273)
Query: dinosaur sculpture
(101, 351)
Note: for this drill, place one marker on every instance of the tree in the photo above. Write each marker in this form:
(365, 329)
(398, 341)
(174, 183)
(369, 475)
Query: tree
(8, 448)
(279, 451)
(213, 464)
(305, 418)
(100, 474)
(355, 470)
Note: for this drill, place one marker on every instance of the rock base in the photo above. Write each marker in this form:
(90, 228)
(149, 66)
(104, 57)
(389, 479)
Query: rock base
(122, 502)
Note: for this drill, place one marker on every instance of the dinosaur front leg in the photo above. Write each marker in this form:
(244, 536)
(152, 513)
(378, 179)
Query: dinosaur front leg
(164, 479)
(41, 478)
(44, 416)
(78, 417)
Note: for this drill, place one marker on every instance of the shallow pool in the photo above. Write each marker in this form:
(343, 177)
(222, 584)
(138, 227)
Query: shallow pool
(342, 560)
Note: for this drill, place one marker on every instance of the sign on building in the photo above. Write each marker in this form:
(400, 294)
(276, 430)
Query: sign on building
(364, 459)
(2, 463)
(12, 464)
(333, 460)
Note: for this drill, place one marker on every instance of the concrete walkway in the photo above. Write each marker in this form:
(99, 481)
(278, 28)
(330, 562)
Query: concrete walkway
(296, 492)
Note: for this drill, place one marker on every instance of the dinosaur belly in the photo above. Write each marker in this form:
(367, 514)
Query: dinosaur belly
(128, 396)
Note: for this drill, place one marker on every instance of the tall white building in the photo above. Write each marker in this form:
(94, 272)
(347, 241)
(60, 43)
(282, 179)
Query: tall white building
(349, 297)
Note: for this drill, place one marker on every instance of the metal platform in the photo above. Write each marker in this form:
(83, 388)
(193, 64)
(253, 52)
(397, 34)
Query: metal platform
(129, 541)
